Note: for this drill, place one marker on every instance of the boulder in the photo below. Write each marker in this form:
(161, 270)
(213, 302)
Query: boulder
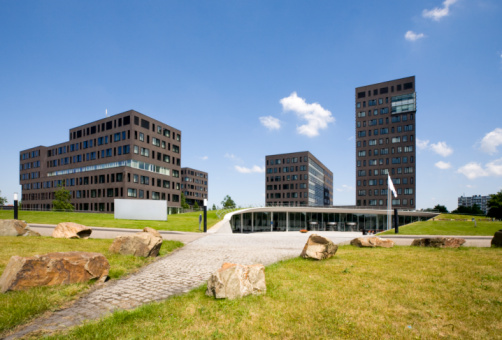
(16, 228)
(497, 239)
(372, 242)
(138, 244)
(319, 248)
(53, 269)
(152, 231)
(71, 230)
(236, 280)
(439, 242)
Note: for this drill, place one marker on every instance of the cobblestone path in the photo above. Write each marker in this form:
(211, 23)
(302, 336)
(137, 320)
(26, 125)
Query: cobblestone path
(178, 273)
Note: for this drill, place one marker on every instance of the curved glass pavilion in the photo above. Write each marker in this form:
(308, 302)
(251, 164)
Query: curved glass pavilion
(318, 219)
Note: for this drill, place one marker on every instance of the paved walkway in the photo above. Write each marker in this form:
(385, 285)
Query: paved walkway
(178, 273)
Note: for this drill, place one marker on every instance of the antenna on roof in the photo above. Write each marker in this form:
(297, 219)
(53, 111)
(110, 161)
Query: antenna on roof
(106, 112)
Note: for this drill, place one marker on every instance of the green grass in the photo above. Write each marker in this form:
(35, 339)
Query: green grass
(466, 228)
(361, 293)
(177, 222)
(17, 307)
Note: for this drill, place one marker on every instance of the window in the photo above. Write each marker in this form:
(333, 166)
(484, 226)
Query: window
(145, 152)
(396, 139)
(116, 137)
(176, 149)
(131, 193)
(141, 137)
(155, 195)
(384, 110)
(384, 131)
(361, 134)
(396, 160)
(361, 153)
(361, 114)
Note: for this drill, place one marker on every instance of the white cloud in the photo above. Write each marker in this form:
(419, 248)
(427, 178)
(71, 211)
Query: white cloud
(345, 188)
(270, 122)
(443, 165)
(316, 116)
(470, 186)
(244, 170)
(412, 36)
(474, 170)
(441, 148)
(491, 141)
(204, 158)
(422, 144)
(439, 12)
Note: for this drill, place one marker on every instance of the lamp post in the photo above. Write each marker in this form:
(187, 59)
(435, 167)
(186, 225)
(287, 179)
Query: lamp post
(205, 215)
(15, 206)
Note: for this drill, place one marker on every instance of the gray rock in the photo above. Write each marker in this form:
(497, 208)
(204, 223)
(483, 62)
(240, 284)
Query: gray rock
(319, 248)
(233, 281)
(138, 244)
(71, 230)
(439, 242)
(16, 228)
(497, 239)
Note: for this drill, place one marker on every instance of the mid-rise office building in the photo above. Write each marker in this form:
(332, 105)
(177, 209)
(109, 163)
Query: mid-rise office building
(297, 179)
(385, 115)
(480, 201)
(128, 155)
(194, 184)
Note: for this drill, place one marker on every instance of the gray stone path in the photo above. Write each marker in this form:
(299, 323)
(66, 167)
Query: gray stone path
(179, 272)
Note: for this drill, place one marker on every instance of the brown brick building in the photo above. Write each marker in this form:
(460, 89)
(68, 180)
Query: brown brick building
(194, 184)
(385, 117)
(128, 155)
(297, 179)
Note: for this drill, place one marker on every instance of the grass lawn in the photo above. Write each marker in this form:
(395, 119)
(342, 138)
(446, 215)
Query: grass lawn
(20, 306)
(483, 228)
(178, 222)
(361, 293)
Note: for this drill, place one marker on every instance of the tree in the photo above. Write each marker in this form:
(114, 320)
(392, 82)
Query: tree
(3, 200)
(228, 202)
(184, 203)
(495, 206)
(441, 208)
(214, 207)
(196, 206)
(62, 200)
(474, 210)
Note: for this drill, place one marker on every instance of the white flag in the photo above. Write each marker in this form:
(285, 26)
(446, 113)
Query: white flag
(391, 185)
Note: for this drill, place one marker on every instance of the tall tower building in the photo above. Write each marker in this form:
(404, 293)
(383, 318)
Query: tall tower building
(385, 143)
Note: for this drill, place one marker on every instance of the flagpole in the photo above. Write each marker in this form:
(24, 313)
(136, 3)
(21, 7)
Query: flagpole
(389, 207)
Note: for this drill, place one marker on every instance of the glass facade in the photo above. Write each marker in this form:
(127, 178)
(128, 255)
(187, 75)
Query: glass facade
(316, 221)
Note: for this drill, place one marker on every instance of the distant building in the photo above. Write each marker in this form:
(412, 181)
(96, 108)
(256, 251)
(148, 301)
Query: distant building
(194, 184)
(385, 117)
(297, 179)
(481, 201)
(127, 156)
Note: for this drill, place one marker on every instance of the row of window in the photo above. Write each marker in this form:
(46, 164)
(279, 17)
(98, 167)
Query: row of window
(193, 187)
(385, 161)
(286, 178)
(286, 186)
(287, 160)
(385, 151)
(29, 165)
(373, 142)
(384, 131)
(156, 141)
(383, 192)
(279, 195)
(381, 121)
(287, 169)
(381, 202)
(193, 173)
(31, 154)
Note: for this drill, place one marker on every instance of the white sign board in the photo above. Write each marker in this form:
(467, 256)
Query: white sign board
(140, 210)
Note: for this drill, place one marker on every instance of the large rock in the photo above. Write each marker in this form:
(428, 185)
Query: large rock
(53, 269)
(497, 239)
(139, 244)
(372, 242)
(16, 228)
(439, 242)
(319, 248)
(152, 231)
(236, 280)
(71, 230)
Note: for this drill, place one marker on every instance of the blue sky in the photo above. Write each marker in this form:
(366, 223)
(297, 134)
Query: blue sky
(243, 79)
